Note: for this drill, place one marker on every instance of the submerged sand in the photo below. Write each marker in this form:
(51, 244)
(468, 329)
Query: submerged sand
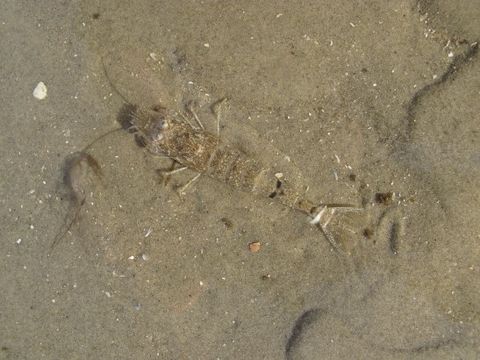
(374, 105)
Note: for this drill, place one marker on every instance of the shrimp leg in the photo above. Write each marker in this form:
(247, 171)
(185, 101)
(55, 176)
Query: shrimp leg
(181, 190)
(215, 108)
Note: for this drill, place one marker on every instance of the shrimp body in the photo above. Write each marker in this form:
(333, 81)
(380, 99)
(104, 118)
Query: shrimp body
(163, 133)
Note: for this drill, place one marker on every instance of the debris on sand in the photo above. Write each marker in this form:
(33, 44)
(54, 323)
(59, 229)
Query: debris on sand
(40, 91)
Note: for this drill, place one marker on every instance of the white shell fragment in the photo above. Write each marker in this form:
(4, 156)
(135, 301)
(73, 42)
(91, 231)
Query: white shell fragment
(40, 91)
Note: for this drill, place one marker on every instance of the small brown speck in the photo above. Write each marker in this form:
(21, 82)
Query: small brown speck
(254, 246)
(95, 15)
(352, 177)
(384, 198)
(368, 233)
(227, 222)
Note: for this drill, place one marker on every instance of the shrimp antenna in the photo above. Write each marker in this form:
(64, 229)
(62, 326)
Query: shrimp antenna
(114, 88)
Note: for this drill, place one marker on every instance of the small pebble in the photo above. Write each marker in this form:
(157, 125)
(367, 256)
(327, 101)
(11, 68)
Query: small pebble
(40, 91)
(254, 246)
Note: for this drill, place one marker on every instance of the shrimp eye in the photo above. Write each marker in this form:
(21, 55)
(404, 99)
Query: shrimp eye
(157, 126)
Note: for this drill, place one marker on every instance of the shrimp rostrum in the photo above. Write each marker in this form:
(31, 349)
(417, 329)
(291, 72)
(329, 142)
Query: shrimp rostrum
(171, 134)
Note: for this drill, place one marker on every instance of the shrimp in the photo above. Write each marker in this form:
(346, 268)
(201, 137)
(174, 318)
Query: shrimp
(172, 135)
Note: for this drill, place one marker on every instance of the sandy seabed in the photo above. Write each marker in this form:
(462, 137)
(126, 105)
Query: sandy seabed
(373, 105)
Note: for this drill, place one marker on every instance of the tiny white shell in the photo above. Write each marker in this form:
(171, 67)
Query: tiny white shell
(40, 91)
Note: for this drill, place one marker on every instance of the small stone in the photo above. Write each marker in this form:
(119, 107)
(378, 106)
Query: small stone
(40, 91)
(254, 246)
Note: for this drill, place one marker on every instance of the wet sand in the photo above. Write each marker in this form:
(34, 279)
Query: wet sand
(375, 106)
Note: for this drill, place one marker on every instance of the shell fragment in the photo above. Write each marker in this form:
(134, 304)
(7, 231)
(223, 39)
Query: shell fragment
(40, 91)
